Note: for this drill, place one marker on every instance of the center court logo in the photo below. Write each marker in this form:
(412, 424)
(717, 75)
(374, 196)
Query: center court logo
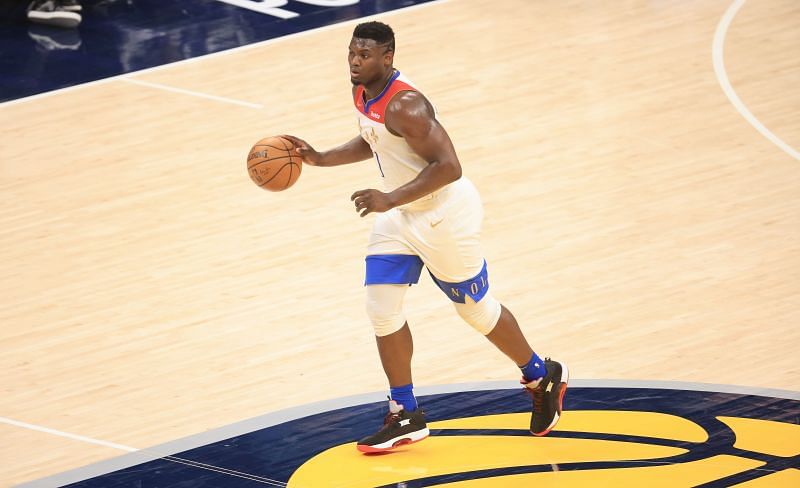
(626, 437)
(654, 434)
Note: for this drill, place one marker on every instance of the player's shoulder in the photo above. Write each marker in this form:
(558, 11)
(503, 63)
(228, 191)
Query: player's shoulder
(408, 97)
(408, 113)
(410, 102)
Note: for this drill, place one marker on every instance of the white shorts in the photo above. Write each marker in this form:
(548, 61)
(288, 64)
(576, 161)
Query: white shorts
(443, 231)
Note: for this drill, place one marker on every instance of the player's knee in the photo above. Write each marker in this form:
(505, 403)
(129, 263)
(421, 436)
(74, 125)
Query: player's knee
(482, 316)
(384, 320)
(385, 308)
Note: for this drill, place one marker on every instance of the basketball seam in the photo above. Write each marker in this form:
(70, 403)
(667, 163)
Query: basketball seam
(271, 159)
(279, 172)
(289, 180)
(291, 161)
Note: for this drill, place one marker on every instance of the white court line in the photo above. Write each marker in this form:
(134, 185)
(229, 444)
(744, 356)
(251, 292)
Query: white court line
(217, 469)
(266, 42)
(717, 53)
(121, 447)
(190, 92)
(59, 433)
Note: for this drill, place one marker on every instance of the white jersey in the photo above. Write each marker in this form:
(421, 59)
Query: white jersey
(442, 228)
(397, 162)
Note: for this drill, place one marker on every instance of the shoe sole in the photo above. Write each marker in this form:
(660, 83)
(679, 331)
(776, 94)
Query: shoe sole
(57, 19)
(403, 440)
(563, 390)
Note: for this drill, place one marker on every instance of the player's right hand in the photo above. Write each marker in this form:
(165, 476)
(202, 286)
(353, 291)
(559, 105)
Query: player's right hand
(304, 150)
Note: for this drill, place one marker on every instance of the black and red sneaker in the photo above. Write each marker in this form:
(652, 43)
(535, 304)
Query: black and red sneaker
(399, 428)
(548, 396)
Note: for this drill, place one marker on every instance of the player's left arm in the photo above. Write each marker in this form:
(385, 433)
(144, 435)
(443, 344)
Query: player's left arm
(411, 116)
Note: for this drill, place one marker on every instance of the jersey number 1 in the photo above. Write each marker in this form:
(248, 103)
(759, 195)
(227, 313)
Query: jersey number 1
(378, 159)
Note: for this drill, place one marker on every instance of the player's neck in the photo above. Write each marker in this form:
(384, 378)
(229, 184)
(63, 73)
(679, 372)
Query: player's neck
(374, 89)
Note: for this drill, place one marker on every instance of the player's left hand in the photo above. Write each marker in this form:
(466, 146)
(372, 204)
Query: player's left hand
(368, 201)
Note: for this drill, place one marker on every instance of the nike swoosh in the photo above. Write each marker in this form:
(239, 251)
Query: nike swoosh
(434, 224)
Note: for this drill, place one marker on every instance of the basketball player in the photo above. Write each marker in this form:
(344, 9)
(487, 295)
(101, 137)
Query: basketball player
(428, 214)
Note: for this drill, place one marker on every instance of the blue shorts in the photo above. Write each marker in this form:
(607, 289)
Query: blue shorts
(393, 269)
(401, 269)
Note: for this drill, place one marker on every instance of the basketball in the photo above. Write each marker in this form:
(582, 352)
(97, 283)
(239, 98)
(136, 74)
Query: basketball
(273, 165)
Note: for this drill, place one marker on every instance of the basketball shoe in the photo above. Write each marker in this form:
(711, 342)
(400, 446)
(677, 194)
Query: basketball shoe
(50, 12)
(548, 394)
(399, 428)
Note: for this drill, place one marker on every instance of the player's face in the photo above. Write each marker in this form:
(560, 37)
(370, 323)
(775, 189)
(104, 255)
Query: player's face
(368, 61)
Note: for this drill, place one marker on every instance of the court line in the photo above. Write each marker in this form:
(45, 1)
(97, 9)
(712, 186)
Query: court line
(195, 59)
(154, 454)
(183, 91)
(717, 54)
(231, 472)
(59, 433)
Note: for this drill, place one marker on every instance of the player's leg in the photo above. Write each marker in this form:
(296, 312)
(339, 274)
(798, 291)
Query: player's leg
(395, 345)
(452, 252)
(475, 304)
(391, 268)
(545, 380)
(405, 422)
(508, 338)
(395, 351)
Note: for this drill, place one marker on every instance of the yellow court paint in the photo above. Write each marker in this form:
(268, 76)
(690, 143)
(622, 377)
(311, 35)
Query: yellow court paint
(343, 465)
(666, 475)
(786, 478)
(645, 424)
(765, 436)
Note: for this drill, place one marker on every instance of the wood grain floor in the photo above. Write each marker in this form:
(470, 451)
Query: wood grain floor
(637, 225)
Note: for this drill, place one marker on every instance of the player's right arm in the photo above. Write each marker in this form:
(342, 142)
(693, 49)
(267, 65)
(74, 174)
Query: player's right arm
(352, 151)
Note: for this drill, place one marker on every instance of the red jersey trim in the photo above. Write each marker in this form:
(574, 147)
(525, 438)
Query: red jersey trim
(375, 109)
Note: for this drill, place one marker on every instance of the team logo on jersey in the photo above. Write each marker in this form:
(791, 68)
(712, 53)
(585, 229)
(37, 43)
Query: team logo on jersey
(369, 135)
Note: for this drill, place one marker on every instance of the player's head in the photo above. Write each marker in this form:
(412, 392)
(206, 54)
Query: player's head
(371, 52)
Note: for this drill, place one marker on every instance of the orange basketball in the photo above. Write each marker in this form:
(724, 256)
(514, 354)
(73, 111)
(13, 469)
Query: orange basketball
(273, 165)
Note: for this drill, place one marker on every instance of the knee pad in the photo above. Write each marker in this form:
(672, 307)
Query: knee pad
(483, 315)
(385, 308)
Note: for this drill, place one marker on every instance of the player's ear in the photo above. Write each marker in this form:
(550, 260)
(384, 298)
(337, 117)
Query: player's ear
(388, 57)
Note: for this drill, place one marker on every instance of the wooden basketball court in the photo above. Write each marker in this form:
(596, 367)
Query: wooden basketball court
(638, 224)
